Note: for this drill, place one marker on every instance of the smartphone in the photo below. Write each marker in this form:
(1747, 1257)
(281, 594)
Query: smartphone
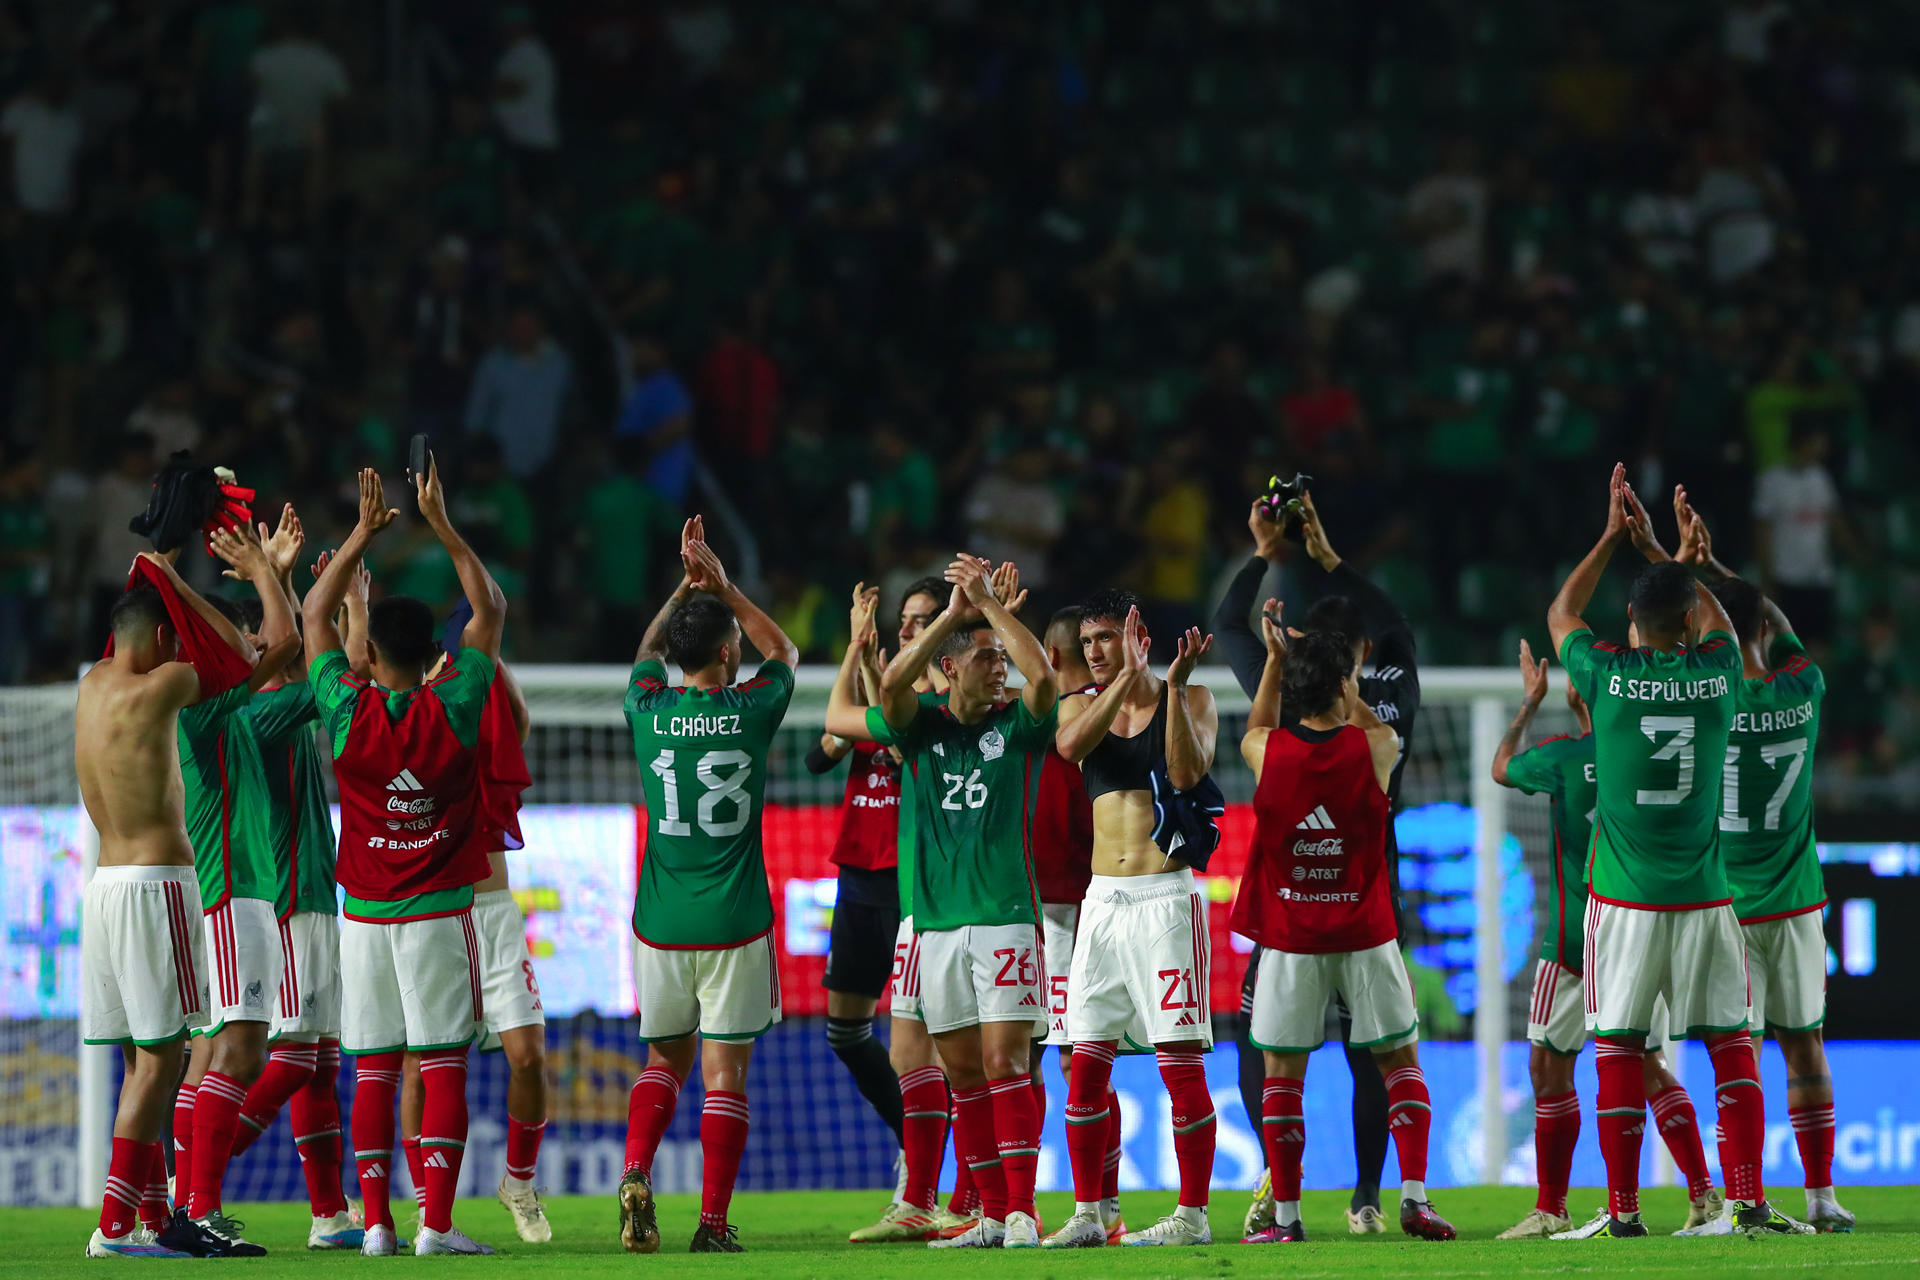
(418, 459)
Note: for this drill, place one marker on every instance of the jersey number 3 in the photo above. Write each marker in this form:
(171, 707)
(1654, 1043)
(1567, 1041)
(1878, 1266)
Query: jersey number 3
(1678, 747)
(729, 790)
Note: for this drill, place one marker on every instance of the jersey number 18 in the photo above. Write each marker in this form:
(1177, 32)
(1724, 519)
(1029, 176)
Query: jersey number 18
(729, 790)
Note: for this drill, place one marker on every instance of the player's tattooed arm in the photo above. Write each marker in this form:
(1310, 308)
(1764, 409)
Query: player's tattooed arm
(1085, 720)
(653, 641)
(1533, 683)
(318, 609)
(1563, 616)
(970, 574)
(1264, 717)
(489, 603)
(1193, 723)
(706, 573)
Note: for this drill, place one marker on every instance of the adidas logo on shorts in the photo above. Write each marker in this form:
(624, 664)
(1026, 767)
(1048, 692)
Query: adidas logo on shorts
(1186, 1020)
(1316, 821)
(1029, 1000)
(405, 781)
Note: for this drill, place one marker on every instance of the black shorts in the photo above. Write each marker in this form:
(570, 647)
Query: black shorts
(866, 920)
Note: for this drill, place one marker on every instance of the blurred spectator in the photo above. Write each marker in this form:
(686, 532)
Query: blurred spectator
(470, 170)
(1740, 205)
(1012, 344)
(166, 416)
(1318, 408)
(902, 488)
(1469, 407)
(43, 127)
(1013, 512)
(1446, 213)
(118, 496)
(440, 337)
(1224, 413)
(493, 513)
(1797, 518)
(519, 394)
(296, 82)
(1783, 395)
(525, 92)
(24, 577)
(659, 412)
(700, 32)
(1746, 33)
(1662, 222)
(739, 397)
(626, 532)
(1173, 527)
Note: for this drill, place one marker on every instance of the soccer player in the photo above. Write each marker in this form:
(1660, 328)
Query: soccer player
(703, 962)
(1140, 957)
(980, 954)
(1766, 833)
(142, 957)
(1367, 616)
(303, 1058)
(229, 820)
(406, 756)
(1660, 917)
(1562, 768)
(1316, 896)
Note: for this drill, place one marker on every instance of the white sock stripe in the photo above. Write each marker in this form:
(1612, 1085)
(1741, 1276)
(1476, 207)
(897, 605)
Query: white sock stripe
(1009, 1084)
(378, 1077)
(1404, 1075)
(921, 1076)
(222, 1088)
(660, 1075)
(122, 1190)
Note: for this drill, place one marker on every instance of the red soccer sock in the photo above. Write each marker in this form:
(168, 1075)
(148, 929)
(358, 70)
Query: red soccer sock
(1016, 1130)
(965, 1200)
(216, 1113)
(1742, 1114)
(923, 1129)
(126, 1186)
(1409, 1116)
(416, 1170)
(523, 1147)
(288, 1069)
(1283, 1132)
(315, 1111)
(1089, 1116)
(183, 1141)
(376, 1078)
(1620, 1116)
(1110, 1177)
(649, 1111)
(154, 1210)
(1680, 1129)
(976, 1147)
(1184, 1071)
(1813, 1131)
(1556, 1131)
(723, 1136)
(443, 1131)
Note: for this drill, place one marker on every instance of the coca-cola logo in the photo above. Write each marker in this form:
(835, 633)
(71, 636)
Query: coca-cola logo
(1331, 847)
(396, 805)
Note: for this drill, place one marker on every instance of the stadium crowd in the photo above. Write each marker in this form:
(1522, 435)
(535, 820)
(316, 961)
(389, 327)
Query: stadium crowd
(1061, 288)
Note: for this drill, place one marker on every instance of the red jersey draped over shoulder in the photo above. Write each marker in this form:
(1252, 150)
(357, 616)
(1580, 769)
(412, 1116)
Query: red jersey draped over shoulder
(1316, 880)
(1062, 832)
(870, 819)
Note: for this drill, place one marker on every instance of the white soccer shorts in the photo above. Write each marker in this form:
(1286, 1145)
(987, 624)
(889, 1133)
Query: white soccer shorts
(1697, 959)
(1141, 963)
(411, 984)
(983, 973)
(244, 962)
(509, 992)
(1058, 922)
(1787, 967)
(1557, 1015)
(903, 995)
(143, 976)
(724, 993)
(308, 1007)
(1290, 999)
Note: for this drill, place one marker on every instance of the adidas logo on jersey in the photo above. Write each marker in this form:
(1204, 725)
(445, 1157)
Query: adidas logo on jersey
(405, 781)
(1316, 821)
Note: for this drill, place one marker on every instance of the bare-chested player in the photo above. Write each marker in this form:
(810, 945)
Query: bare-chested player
(143, 976)
(1145, 749)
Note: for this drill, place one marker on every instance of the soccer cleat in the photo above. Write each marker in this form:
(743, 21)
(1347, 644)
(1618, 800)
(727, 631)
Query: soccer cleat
(1367, 1220)
(336, 1232)
(380, 1242)
(953, 1224)
(1081, 1231)
(1117, 1229)
(1603, 1226)
(218, 1226)
(1279, 1233)
(1537, 1225)
(707, 1240)
(1170, 1230)
(1418, 1220)
(1260, 1212)
(1720, 1224)
(130, 1245)
(1827, 1217)
(1764, 1220)
(1022, 1232)
(529, 1215)
(901, 1222)
(639, 1232)
(453, 1240)
(1704, 1210)
(985, 1233)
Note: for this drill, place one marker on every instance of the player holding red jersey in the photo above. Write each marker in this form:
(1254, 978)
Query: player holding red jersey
(1316, 895)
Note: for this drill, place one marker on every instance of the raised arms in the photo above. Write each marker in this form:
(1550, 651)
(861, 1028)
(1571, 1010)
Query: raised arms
(970, 574)
(1563, 615)
(1264, 716)
(1533, 681)
(706, 573)
(489, 603)
(1193, 723)
(1084, 720)
(847, 702)
(240, 548)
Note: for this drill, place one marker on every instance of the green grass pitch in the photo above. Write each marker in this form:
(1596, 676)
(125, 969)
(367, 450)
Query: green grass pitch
(803, 1235)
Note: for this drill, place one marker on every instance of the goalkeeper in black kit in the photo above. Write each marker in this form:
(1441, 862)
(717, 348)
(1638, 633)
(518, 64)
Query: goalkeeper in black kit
(1359, 610)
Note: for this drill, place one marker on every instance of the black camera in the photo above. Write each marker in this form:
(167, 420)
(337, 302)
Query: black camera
(1284, 503)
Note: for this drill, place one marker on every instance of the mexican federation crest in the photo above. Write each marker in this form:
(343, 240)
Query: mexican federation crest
(992, 745)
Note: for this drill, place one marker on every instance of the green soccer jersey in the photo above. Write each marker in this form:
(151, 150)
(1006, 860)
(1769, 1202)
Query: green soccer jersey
(975, 788)
(1562, 770)
(1766, 790)
(904, 841)
(703, 767)
(227, 806)
(282, 723)
(1660, 723)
